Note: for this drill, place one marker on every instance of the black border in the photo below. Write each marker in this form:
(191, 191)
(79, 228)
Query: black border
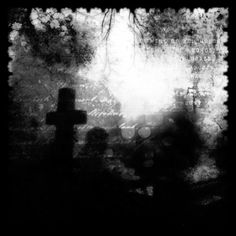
(133, 224)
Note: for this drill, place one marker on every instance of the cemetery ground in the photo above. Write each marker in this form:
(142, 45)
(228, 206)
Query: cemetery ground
(38, 195)
(62, 190)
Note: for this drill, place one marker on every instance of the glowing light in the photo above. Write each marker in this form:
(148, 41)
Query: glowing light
(144, 132)
(145, 86)
(127, 133)
(141, 85)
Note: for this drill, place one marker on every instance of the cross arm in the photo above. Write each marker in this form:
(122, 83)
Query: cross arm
(69, 117)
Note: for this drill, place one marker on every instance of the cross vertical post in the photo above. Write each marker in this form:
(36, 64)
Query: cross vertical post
(64, 119)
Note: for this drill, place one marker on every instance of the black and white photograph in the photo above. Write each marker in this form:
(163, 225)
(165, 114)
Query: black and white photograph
(118, 114)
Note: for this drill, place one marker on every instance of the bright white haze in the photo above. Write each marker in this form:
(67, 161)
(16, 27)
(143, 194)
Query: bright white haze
(143, 85)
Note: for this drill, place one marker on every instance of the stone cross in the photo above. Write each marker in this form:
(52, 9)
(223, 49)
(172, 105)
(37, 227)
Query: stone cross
(64, 119)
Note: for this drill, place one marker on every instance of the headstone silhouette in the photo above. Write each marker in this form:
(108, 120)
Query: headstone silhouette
(64, 119)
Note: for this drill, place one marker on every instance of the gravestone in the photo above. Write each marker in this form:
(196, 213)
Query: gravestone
(64, 119)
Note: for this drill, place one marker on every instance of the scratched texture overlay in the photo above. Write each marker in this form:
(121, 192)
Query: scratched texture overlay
(136, 73)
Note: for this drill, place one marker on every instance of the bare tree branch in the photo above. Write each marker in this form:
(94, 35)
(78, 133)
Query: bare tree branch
(103, 20)
(111, 20)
